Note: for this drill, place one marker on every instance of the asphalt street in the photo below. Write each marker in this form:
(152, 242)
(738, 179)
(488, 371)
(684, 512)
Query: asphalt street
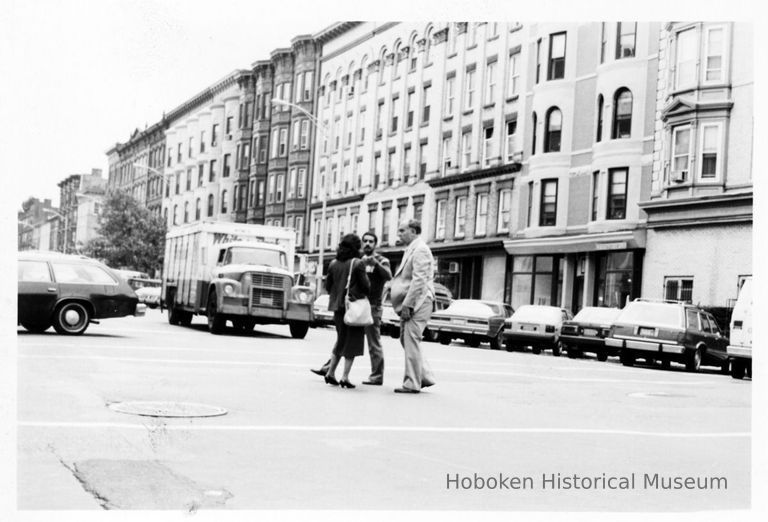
(511, 420)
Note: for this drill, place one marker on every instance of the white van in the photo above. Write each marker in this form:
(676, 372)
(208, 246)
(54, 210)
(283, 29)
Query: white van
(740, 347)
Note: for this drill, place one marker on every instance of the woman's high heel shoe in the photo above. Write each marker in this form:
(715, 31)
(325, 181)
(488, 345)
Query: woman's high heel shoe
(346, 384)
(331, 380)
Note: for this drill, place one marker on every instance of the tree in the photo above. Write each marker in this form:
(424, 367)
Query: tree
(130, 235)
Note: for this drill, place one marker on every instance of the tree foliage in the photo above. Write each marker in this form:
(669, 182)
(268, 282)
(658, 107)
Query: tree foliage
(130, 236)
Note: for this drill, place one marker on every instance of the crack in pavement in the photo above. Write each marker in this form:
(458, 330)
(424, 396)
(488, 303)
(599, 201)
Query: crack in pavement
(103, 501)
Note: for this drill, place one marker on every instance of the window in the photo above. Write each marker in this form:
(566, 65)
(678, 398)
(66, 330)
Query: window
(481, 214)
(178, 153)
(202, 141)
(317, 233)
(446, 154)
(533, 131)
(681, 150)
(283, 149)
(600, 104)
(34, 271)
(275, 141)
(279, 188)
(461, 217)
(513, 78)
(548, 206)
(450, 95)
(510, 141)
(299, 226)
(170, 156)
(379, 116)
(395, 112)
(487, 146)
(347, 177)
(175, 216)
(228, 127)
(709, 157)
(427, 47)
(359, 172)
(385, 214)
(538, 60)
(178, 183)
(409, 108)
(418, 209)
(714, 54)
(225, 170)
(552, 133)
(197, 209)
(685, 62)
(79, 273)
(189, 180)
(595, 194)
(291, 183)
(407, 162)
(466, 149)
(471, 34)
(304, 139)
(301, 182)
(617, 194)
(348, 143)
(295, 134)
(625, 39)
(440, 219)
(530, 204)
(469, 88)
(262, 149)
(425, 104)
(391, 166)
(376, 170)
(214, 134)
(505, 211)
(422, 160)
(678, 288)
(328, 231)
(308, 85)
(262, 193)
(622, 114)
(271, 189)
(490, 82)
(603, 41)
(556, 68)
(224, 201)
(189, 148)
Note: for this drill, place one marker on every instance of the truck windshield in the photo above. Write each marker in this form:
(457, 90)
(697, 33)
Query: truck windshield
(257, 256)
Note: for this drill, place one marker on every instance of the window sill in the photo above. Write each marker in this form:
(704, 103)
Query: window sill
(489, 105)
(448, 118)
(424, 124)
(513, 98)
(467, 112)
(492, 38)
(470, 47)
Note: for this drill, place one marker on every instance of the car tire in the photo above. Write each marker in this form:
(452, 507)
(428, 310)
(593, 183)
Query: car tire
(738, 369)
(666, 364)
(473, 342)
(429, 335)
(35, 327)
(693, 360)
(725, 368)
(71, 318)
(394, 333)
(602, 355)
(444, 339)
(536, 349)
(557, 349)
(298, 329)
(497, 341)
(627, 358)
(216, 322)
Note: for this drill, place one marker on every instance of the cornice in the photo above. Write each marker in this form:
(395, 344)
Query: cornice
(474, 175)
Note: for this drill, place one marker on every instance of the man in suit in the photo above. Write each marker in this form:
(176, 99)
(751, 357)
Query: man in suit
(379, 272)
(412, 293)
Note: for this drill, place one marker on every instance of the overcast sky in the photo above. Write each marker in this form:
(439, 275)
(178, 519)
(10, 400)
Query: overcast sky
(80, 76)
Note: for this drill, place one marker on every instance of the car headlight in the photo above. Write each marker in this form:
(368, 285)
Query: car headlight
(228, 289)
(302, 295)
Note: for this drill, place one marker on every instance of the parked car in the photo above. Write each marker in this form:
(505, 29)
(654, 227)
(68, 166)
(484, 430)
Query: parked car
(69, 292)
(537, 326)
(473, 321)
(149, 294)
(587, 330)
(390, 321)
(740, 348)
(322, 317)
(668, 331)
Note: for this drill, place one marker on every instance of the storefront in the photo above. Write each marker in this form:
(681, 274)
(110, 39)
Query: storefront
(472, 269)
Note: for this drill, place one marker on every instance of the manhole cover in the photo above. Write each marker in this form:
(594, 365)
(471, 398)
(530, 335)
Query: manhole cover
(664, 395)
(167, 409)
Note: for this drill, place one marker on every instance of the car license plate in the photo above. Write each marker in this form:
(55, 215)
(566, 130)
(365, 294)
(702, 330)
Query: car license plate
(590, 331)
(650, 332)
(530, 327)
(457, 320)
(265, 300)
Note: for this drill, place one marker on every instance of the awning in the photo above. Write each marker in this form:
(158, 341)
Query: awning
(605, 241)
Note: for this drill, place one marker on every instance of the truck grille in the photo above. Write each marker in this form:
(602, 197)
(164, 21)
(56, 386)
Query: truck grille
(265, 297)
(267, 281)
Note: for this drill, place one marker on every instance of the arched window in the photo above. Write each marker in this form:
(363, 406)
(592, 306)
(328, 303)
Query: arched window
(175, 215)
(599, 135)
(224, 201)
(427, 46)
(412, 55)
(197, 210)
(622, 114)
(364, 73)
(382, 64)
(210, 205)
(396, 64)
(186, 212)
(552, 133)
(533, 146)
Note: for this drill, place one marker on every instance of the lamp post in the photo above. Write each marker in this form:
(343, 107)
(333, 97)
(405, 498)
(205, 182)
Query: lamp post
(66, 224)
(323, 130)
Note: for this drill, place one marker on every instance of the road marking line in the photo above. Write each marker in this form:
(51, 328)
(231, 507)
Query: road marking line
(291, 365)
(378, 429)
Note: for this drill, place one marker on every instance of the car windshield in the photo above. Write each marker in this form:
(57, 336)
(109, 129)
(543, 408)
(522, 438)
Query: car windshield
(469, 307)
(599, 315)
(538, 313)
(659, 314)
(257, 256)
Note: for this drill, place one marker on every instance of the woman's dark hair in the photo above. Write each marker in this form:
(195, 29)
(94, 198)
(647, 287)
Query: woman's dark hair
(349, 247)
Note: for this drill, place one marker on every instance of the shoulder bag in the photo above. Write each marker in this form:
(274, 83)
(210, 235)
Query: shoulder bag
(358, 312)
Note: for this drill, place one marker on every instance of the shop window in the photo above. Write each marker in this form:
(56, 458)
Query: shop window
(678, 288)
(614, 279)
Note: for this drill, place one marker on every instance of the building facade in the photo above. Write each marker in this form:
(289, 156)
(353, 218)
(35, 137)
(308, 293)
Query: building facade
(699, 245)
(78, 216)
(34, 224)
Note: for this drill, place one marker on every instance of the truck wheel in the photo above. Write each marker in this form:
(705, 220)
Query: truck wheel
(298, 329)
(693, 360)
(627, 358)
(71, 318)
(725, 368)
(473, 342)
(173, 312)
(216, 322)
(185, 318)
(738, 368)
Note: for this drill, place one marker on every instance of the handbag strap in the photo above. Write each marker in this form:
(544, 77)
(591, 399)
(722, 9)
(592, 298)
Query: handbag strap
(349, 277)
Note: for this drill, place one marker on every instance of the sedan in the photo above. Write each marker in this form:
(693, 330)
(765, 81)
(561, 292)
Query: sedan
(587, 331)
(471, 320)
(322, 316)
(70, 292)
(537, 326)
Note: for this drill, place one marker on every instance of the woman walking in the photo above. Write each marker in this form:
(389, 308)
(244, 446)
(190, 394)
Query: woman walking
(349, 339)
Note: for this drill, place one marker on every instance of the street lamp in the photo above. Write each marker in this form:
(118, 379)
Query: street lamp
(66, 224)
(323, 130)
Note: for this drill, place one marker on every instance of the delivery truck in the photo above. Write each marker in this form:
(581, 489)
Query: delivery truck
(740, 346)
(234, 272)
